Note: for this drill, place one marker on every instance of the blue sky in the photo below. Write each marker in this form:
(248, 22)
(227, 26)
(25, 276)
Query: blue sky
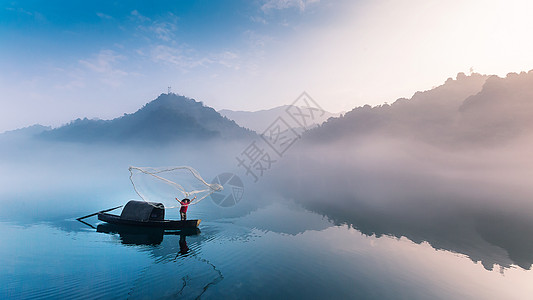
(61, 60)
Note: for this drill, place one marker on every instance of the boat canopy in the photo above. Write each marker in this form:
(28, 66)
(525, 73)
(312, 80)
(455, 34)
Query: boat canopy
(143, 211)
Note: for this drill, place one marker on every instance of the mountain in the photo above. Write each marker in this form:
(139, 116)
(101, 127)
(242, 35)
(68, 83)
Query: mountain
(27, 131)
(451, 166)
(258, 121)
(501, 111)
(22, 134)
(468, 111)
(168, 118)
(429, 115)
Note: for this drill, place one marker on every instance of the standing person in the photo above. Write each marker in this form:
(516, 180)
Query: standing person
(183, 209)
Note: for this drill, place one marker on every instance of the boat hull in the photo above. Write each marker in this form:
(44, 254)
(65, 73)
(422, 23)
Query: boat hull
(165, 224)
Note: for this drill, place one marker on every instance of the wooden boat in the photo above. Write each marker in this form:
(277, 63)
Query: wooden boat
(146, 214)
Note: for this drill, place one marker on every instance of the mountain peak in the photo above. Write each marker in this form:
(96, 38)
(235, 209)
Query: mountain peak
(172, 101)
(166, 119)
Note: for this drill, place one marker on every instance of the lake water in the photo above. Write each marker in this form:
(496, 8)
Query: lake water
(266, 247)
(278, 251)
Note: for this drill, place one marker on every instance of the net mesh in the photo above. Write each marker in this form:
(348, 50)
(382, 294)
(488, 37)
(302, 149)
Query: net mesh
(165, 184)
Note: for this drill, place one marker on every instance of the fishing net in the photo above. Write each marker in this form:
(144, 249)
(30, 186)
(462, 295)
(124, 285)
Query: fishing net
(165, 184)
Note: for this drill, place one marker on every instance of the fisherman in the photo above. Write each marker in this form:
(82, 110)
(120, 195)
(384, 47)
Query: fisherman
(184, 205)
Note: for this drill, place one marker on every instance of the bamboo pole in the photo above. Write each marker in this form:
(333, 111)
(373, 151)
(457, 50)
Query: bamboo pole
(106, 210)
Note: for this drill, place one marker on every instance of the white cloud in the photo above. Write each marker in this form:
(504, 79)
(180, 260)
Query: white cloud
(187, 59)
(104, 16)
(104, 63)
(137, 16)
(257, 40)
(177, 57)
(163, 30)
(229, 60)
(39, 17)
(257, 19)
(284, 4)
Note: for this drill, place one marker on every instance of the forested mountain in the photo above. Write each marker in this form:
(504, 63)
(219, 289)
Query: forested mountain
(475, 109)
(168, 118)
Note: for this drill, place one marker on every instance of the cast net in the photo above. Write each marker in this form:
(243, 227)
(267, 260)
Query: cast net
(165, 184)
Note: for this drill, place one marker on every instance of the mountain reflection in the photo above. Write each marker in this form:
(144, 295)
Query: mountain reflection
(489, 239)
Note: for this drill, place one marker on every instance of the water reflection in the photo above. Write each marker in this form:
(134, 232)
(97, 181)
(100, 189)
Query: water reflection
(184, 249)
(240, 258)
(179, 268)
(134, 235)
(476, 204)
(488, 237)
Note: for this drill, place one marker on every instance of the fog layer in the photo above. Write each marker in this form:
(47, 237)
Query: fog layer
(455, 172)
(451, 166)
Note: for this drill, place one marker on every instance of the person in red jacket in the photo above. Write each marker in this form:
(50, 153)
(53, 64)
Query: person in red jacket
(183, 209)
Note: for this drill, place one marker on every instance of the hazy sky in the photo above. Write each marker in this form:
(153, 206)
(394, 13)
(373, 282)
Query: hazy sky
(61, 60)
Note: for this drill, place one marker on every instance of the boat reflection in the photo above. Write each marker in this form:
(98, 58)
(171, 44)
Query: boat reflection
(134, 235)
(178, 265)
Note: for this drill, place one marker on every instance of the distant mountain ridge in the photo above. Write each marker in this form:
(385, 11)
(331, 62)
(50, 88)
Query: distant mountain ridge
(476, 109)
(27, 131)
(168, 118)
(259, 121)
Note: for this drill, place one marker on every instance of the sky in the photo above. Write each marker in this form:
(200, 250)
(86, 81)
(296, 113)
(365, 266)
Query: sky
(62, 60)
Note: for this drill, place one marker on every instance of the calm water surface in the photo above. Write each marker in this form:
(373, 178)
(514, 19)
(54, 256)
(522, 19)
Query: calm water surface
(298, 254)
(266, 247)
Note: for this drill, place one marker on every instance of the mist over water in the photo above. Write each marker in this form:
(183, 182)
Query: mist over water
(42, 180)
(451, 167)
(333, 210)
(404, 207)
(474, 201)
